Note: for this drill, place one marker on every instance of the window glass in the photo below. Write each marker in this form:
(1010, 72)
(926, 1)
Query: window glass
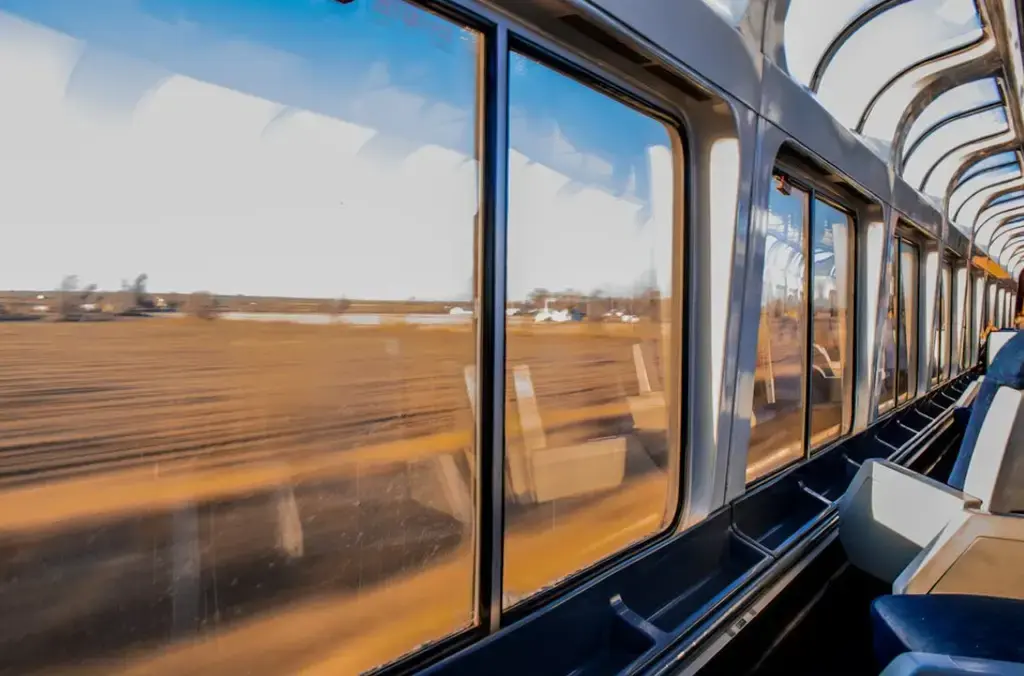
(733, 10)
(993, 221)
(978, 313)
(911, 32)
(991, 163)
(990, 308)
(906, 323)
(887, 360)
(939, 332)
(957, 100)
(941, 176)
(1007, 197)
(830, 243)
(590, 328)
(964, 191)
(234, 398)
(960, 296)
(968, 214)
(810, 26)
(946, 320)
(1004, 235)
(947, 137)
(778, 408)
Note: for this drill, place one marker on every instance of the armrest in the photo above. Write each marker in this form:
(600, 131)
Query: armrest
(976, 553)
(890, 514)
(929, 664)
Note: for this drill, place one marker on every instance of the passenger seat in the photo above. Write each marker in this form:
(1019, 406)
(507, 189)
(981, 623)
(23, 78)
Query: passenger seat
(948, 624)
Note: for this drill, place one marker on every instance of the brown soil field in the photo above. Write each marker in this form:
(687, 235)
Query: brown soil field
(147, 467)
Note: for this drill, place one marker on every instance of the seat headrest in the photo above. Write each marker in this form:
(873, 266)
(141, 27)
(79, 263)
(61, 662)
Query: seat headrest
(995, 474)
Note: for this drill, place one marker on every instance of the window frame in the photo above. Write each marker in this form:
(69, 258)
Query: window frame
(904, 234)
(817, 190)
(590, 73)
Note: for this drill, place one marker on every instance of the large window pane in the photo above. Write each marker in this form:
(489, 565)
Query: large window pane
(947, 320)
(830, 241)
(236, 435)
(591, 377)
(778, 425)
(906, 342)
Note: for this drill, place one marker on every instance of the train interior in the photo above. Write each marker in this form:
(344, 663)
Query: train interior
(548, 337)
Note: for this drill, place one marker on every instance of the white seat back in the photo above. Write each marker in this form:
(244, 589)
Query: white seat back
(996, 472)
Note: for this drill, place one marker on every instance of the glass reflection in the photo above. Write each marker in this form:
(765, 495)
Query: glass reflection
(906, 345)
(960, 298)
(804, 46)
(236, 435)
(968, 188)
(911, 32)
(953, 134)
(778, 407)
(978, 312)
(989, 164)
(887, 362)
(733, 10)
(947, 320)
(830, 239)
(972, 207)
(990, 307)
(590, 325)
(957, 100)
(942, 175)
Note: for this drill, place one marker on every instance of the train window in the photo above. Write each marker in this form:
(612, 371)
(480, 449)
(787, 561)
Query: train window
(800, 362)
(939, 336)
(590, 327)
(266, 426)
(898, 357)
(831, 269)
(777, 437)
(887, 361)
(961, 293)
(978, 313)
(990, 306)
(906, 322)
(945, 321)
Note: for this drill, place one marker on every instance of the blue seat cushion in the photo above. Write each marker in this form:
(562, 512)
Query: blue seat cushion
(1006, 370)
(948, 624)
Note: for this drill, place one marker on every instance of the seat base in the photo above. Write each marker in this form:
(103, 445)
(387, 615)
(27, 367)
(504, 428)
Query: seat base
(948, 624)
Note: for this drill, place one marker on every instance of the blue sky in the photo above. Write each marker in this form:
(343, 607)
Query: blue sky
(302, 147)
